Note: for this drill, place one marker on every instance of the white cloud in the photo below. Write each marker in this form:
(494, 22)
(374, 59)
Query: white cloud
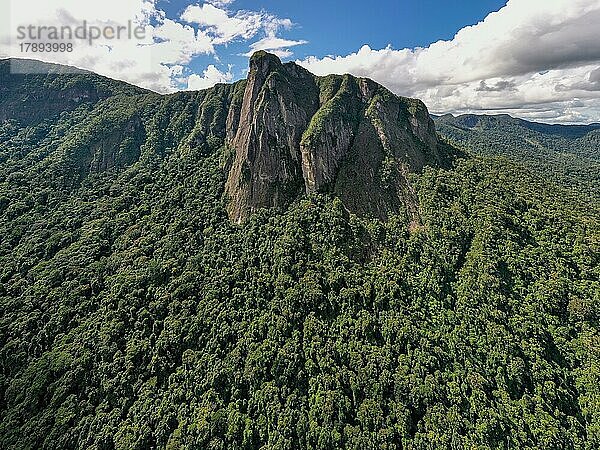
(151, 62)
(220, 3)
(530, 57)
(275, 45)
(178, 43)
(155, 62)
(226, 27)
(211, 76)
(533, 58)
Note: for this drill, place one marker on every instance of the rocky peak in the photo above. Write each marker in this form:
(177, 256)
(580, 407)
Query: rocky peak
(291, 133)
(296, 133)
(278, 104)
(263, 63)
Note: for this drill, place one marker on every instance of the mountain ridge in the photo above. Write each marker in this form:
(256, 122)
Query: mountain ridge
(571, 129)
(55, 87)
(332, 128)
(289, 133)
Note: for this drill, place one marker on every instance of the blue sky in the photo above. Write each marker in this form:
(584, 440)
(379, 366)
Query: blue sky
(534, 59)
(341, 27)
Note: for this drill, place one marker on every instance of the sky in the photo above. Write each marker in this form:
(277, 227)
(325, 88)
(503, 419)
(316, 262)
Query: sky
(534, 59)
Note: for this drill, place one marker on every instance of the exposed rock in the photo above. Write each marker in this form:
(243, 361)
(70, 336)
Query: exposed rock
(235, 109)
(279, 101)
(298, 133)
(287, 133)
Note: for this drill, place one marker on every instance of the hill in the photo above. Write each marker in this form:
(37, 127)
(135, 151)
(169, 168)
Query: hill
(31, 91)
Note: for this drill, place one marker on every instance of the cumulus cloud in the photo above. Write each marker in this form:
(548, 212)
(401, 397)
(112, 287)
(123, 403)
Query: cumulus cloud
(220, 3)
(538, 59)
(591, 83)
(532, 56)
(499, 86)
(225, 26)
(153, 61)
(275, 45)
(160, 60)
(211, 76)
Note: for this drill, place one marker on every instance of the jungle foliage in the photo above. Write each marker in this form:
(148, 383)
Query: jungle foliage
(133, 314)
(568, 155)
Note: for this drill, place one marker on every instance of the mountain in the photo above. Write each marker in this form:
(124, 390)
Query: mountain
(296, 133)
(290, 133)
(566, 154)
(394, 292)
(504, 121)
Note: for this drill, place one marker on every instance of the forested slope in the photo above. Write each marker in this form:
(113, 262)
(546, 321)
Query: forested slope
(568, 155)
(134, 314)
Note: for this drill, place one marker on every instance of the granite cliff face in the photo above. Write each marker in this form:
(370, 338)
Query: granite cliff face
(279, 102)
(296, 133)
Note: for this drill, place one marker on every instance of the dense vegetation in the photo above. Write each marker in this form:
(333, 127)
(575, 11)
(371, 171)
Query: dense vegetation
(566, 155)
(133, 314)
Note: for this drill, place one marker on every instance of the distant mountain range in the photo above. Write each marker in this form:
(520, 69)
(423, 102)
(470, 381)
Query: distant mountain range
(471, 121)
(566, 154)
